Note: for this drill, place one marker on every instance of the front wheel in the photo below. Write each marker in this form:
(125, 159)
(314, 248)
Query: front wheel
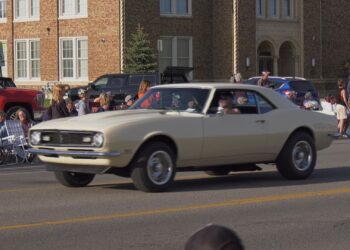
(298, 157)
(71, 179)
(154, 168)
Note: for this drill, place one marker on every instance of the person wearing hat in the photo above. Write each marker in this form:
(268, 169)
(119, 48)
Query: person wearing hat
(214, 237)
(225, 104)
(110, 99)
(83, 106)
(128, 102)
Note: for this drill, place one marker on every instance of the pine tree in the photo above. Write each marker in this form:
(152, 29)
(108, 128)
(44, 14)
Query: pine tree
(140, 57)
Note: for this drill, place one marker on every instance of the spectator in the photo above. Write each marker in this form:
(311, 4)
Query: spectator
(291, 96)
(83, 106)
(110, 99)
(310, 102)
(144, 87)
(103, 103)
(3, 132)
(232, 78)
(214, 237)
(58, 108)
(348, 89)
(26, 123)
(327, 105)
(341, 117)
(264, 80)
(71, 108)
(128, 102)
(343, 95)
(238, 78)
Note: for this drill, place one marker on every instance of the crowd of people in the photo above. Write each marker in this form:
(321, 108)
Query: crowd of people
(61, 107)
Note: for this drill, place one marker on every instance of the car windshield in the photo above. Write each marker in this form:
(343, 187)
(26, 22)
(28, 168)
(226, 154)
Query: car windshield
(174, 99)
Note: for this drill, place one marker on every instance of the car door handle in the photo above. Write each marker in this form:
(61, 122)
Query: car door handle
(260, 121)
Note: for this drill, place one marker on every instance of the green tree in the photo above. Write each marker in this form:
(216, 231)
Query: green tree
(139, 56)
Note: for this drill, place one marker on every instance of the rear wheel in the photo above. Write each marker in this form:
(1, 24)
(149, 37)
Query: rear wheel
(298, 157)
(154, 167)
(71, 179)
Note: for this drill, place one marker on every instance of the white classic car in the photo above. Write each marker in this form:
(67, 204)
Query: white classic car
(217, 128)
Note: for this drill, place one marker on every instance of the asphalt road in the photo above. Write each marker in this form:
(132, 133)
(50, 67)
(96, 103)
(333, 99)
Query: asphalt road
(267, 211)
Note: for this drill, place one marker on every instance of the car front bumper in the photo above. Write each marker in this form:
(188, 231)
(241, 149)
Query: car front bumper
(78, 154)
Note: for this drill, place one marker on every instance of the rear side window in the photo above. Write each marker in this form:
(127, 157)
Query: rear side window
(101, 83)
(264, 105)
(302, 86)
(116, 82)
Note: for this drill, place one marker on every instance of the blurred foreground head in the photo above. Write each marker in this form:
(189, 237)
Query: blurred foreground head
(214, 237)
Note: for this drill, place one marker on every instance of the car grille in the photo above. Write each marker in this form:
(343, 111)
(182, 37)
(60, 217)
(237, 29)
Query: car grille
(66, 138)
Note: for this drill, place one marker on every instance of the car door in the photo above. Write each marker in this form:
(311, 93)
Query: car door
(235, 138)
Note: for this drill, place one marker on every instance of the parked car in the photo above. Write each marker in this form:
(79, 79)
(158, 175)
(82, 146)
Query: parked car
(122, 85)
(180, 127)
(12, 99)
(285, 85)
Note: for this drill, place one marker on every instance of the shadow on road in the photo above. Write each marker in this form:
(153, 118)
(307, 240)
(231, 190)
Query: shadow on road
(250, 180)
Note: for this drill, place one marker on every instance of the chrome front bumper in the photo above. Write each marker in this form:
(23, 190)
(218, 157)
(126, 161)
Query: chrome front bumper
(47, 152)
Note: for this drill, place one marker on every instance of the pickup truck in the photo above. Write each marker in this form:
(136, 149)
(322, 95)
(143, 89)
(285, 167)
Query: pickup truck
(13, 98)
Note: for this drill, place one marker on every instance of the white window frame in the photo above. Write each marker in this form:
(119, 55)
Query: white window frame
(29, 17)
(28, 60)
(174, 13)
(75, 77)
(4, 18)
(76, 15)
(4, 69)
(174, 58)
(292, 6)
(263, 9)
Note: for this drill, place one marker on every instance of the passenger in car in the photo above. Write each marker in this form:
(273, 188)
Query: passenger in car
(226, 104)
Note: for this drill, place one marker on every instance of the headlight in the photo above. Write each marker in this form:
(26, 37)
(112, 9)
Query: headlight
(98, 140)
(35, 138)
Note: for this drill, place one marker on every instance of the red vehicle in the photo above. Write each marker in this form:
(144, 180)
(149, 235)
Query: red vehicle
(12, 99)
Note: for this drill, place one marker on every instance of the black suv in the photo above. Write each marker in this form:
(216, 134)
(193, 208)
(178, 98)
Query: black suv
(120, 85)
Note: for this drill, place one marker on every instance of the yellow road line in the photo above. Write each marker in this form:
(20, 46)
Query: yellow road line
(227, 203)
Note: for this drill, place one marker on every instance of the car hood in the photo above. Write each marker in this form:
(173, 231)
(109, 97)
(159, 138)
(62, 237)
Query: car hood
(100, 121)
(13, 91)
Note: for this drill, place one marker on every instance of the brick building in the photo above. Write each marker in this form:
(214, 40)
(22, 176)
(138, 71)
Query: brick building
(75, 41)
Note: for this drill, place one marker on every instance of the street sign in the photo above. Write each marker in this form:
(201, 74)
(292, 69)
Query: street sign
(2, 58)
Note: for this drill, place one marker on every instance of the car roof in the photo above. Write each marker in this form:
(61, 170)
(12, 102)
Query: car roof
(282, 78)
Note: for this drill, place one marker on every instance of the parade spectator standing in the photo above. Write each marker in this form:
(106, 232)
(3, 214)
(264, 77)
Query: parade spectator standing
(128, 102)
(26, 123)
(3, 132)
(110, 100)
(264, 80)
(83, 106)
(310, 103)
(58, 108)
(327, 106)
(71, 108)
(144, 87)
(341, 117)
(238, 78)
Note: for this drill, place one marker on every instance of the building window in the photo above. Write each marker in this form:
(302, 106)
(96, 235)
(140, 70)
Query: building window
(273, 8)
(176, 7)
(27, 10)
(73, 8)
(74, 59)
(4, 68)
(27, 59)
(259, 8)
(287, 8)
(2, 10)
(176, 51)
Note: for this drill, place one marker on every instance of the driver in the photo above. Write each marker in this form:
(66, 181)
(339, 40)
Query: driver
(225, 102)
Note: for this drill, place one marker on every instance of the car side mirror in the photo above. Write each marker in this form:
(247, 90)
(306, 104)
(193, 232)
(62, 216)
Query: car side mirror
(93, 86)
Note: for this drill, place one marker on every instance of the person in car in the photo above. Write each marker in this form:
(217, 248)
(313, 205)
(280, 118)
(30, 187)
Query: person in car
(144, 87)
(58, 108)
(310, 102)
(226, 104)
(83, 106)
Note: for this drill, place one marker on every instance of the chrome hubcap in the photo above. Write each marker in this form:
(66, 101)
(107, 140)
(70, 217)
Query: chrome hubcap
(302, 156)
(160, 167)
